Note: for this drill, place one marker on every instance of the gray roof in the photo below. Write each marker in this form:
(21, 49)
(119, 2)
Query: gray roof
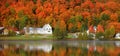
(1, 28)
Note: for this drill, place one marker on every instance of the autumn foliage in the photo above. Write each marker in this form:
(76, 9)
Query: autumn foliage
(40, 12)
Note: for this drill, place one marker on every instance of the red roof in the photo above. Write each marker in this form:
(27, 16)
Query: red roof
(91, 29)
(100, 28)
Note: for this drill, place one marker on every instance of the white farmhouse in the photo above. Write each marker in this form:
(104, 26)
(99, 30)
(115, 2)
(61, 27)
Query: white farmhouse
(46, 29)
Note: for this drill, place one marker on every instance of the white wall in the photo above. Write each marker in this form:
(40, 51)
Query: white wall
(47, 29)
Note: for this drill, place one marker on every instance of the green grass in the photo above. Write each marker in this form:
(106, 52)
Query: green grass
(39, 37)
(27, 37)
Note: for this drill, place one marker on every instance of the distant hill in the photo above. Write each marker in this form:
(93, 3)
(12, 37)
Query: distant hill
(78, 15)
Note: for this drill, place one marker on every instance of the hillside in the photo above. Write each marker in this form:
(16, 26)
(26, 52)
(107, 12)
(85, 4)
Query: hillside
(74, 15)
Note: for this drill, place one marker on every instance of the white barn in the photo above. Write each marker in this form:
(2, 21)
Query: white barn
(46, 29)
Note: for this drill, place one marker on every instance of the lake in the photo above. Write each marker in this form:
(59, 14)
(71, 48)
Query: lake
(60, 48)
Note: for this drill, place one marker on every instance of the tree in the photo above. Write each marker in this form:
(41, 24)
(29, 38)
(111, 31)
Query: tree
(96, 21)
(54, 23)
(116, 25)
(56, 9)
(11, 22)
(72, 3)
(34, 10)
(85, 15)
(78, 26)
(20, 13)
(35, 1)
(114, 17)
(21, 22)
(79, 18)
(99, 7)
(7, 4)
(104, 20)
(113, 6)
(48, 19)
(118, 18)
(88, 5)
(79, 14)
(72, 20)
(109, 33)
(72, 24)
(105, 17)
(72, 27)
(84, 27)
(60, 31)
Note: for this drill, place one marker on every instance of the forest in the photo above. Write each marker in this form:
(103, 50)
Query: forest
(69, 15)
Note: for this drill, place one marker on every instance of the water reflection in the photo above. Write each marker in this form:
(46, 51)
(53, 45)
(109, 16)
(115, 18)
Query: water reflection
(59, 48)
(44, 47)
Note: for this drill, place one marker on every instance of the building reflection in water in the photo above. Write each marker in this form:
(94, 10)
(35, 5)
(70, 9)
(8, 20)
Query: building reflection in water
(45, 47)
(117, 43)
(60, 48)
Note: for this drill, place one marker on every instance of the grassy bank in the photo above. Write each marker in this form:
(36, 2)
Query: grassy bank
(27, 37)
(43, 37)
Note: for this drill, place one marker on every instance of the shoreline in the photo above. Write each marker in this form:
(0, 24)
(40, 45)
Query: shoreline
(44, 39)
(47, 38)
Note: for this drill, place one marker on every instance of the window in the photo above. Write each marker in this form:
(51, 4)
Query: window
(48, 31)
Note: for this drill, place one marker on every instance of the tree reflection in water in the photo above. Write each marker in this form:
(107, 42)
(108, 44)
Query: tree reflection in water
(60, 48)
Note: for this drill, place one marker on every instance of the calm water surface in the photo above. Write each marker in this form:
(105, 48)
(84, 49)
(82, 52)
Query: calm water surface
(60, 48)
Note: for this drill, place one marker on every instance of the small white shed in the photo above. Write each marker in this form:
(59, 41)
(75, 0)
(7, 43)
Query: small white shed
(117, 36)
